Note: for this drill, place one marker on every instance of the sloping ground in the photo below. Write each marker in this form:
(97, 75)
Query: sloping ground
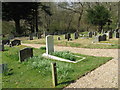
(106, 76)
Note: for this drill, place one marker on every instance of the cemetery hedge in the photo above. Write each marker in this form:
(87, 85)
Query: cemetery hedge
(36, 71)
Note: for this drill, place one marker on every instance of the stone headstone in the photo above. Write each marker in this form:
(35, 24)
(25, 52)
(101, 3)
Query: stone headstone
(3, 68)
(58, 38)
(95, 33)
(109, 34)
(39, 35)
(90, 34)
(104, 37)
(76, 35)
(68, 36)
(97, 38)
(49, 44)
(117, 35)
(31, 36)
(15, 42)
(6, 42)
(65, 36)
(25, 53)
(2, 47)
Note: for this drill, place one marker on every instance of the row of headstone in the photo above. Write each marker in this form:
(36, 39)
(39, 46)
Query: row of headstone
(68, 36)
(39, 35)
(100, 38)
(90, 34)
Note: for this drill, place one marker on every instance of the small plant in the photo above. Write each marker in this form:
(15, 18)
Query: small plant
(65, 54)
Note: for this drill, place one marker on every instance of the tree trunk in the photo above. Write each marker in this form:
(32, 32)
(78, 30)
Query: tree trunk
(17, 26)
(36, 15)
(79, 19)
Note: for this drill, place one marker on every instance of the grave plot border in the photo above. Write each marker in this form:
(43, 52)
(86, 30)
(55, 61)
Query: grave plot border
(62, 59)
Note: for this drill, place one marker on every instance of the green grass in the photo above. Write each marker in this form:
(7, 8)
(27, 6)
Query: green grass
(66, 55)
(36, 72)
(80, 43)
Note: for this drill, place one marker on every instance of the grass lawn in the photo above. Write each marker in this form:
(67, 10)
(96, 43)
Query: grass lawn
(81, 43)
(36, 71)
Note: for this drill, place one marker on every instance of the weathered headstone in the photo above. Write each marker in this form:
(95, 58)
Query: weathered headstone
(49, 44)
(109, 34)
(117, 35)
(90, 34)
(25, 53)
(15, 42)
(58, 38)
(2, 47)
(76, 35)
(104, 37)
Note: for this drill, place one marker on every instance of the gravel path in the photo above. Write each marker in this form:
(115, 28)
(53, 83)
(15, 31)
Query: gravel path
(106, 76)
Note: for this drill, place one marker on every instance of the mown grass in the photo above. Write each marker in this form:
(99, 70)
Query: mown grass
(80, 43)
(35, 72)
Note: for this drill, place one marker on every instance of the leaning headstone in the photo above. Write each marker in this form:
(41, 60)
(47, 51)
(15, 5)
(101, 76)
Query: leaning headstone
(49, 44)
(90, 34)
(109, 34)
(2, 47)
(76, 35)
(25, 53)
(117, 35)
(58, 38)
(104, 37)
(15, 42)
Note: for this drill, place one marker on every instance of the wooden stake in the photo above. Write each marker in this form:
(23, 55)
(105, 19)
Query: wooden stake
(54, 74)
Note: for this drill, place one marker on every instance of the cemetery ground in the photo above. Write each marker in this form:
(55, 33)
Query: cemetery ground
(81, 42)
(36, 71)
